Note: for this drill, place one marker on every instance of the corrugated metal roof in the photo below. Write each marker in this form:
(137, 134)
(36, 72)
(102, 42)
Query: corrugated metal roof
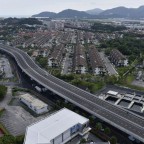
(49, 128)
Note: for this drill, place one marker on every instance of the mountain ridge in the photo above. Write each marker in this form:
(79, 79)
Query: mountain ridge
(125, 12)
(117, 12)
(95, 11)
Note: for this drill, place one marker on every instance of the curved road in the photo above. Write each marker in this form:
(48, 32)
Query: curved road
(118, 117)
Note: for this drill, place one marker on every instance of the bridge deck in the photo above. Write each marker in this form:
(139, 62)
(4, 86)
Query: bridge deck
(116, 116)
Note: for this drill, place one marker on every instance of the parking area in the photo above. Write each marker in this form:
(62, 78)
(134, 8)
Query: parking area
(5, 67)
(15, 118)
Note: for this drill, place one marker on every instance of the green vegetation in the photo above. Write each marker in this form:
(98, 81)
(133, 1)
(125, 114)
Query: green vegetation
(4, 129)
(16, 89)
(83, 141)
(42, 61)
(102, 131)
(130, 46)
(99, 27)
(29, 21)
(9, 139)
(126, 81)
(122, 70)
(3, 91)
(19, 139)
(98, 126)
(22, 21)
(30, 52)
(1, 112)
(54, 71)
(113, 140)
(86, 81)
(133, 47)
(107, 131)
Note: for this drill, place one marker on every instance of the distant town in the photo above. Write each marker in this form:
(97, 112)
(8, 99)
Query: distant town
(71, 80)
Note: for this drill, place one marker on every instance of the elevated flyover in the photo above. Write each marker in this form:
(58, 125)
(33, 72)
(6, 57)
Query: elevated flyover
(116, 116)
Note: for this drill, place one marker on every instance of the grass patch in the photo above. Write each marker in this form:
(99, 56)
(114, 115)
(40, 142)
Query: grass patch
(1, 112)
(129, 79)
(11, 102)
(4, 129)
(16, 89)
(15, 79)
(135, 87)
(3, 91)
(126, 81)
(122, 70)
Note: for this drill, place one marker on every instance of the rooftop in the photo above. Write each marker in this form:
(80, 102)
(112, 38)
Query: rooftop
(54, 125)
(34, 102)
(112, 92)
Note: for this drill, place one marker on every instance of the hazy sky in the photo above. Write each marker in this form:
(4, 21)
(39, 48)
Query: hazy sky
(29, 7)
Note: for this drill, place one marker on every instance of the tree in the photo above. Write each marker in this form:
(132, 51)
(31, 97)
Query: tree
(30, 52)
(19, 139)
(92, 119)
(111, 79)
(107, 131)
(113, 140)
(82, 141)
(43, 61)
(3, 91)
(98, 126)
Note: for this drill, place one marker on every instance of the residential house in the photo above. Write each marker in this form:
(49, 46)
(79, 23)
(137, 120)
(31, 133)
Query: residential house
(96, 62)
(117, 58)
(79, 60)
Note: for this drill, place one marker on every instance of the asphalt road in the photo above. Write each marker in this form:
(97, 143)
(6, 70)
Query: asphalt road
(118, 117)
(66, 64)
(138, 83)
(110, 68)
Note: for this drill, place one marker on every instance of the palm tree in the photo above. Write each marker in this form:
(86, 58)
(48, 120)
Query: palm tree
(98, 126)
(113, 140)
(107, 131)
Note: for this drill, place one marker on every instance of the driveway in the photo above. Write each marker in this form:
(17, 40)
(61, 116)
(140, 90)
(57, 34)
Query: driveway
(110, 68)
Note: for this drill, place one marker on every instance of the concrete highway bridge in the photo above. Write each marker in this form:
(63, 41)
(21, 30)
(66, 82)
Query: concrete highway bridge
(120, 118)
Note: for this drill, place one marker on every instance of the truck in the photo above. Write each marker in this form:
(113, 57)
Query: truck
(38, 89)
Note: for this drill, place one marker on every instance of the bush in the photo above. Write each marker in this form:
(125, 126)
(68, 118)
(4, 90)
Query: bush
(7, 139)
(42, 61)
(98, 126)
(3, 91)
(83, 141)
(19, 139)
(113, 140)
(107, 131)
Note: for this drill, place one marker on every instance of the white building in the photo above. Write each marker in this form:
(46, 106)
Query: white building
(34, 104)
(118, 58)
(96, 62)
(56, 56)
(79, 63)
(58, 128)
